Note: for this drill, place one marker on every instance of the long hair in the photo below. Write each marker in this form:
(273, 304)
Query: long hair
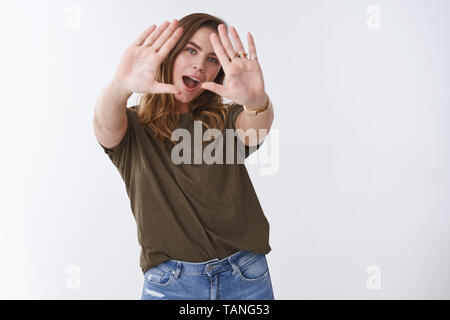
(159, 110)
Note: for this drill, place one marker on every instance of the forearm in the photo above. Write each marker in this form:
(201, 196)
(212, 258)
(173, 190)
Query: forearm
(110, 107)
(261, 123)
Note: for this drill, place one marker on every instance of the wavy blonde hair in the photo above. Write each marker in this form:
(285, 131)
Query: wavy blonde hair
(159, 112)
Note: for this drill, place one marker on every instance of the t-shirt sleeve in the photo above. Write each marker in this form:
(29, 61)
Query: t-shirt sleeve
(235, 110)
(120, 153)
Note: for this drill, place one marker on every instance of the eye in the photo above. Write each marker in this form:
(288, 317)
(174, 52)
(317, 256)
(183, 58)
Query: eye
(215, 60)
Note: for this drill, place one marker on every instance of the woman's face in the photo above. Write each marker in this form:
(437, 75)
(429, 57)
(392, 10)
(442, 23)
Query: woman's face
(198, 60)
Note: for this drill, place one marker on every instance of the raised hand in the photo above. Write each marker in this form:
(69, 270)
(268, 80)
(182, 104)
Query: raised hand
(139, 64)
(245, 83)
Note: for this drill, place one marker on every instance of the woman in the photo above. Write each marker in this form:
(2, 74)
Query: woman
(202, 232)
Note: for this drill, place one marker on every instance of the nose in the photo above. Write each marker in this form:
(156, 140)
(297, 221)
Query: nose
(198, 67)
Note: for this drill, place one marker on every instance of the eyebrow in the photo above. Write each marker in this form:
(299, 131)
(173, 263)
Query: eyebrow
(198, 47)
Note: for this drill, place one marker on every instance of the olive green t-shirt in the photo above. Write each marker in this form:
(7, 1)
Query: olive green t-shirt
(189, 212)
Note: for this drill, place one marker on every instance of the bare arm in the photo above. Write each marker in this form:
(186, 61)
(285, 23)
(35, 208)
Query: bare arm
(259, 122)
(110, 120)
(137, 72)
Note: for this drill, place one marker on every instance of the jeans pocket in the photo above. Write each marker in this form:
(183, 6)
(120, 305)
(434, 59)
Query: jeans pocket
(158, 276)
(255, 268)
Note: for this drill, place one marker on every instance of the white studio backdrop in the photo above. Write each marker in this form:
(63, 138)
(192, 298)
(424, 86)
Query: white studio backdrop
(358, 204)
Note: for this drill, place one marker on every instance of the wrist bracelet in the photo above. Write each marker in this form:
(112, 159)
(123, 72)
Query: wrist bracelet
(262, 110)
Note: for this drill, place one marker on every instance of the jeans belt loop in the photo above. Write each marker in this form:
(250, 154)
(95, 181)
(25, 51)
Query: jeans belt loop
(177, 271)
(235, 268)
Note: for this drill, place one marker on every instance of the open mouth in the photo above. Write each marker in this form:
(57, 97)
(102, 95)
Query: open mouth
(190, 83)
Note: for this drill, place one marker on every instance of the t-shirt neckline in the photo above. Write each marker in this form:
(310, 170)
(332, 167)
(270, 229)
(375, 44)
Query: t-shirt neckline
(184, 115)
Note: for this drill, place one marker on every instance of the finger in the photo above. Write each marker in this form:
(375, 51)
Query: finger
(220, 52)
(251, 46)
(154, 35)
(144, 35)
(237, 41)
(166, 88)
(226, 41)
(215, 87)
(166, 34)
(171, 42)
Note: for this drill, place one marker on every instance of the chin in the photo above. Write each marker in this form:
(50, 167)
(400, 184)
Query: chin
(180, 99)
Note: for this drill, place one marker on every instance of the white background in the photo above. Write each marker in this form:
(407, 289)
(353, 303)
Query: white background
(363, 120)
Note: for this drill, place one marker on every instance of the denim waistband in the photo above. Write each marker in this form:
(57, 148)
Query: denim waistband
(209, 267)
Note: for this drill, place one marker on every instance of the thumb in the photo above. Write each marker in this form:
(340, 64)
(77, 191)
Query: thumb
(214, 87)
(166, 88)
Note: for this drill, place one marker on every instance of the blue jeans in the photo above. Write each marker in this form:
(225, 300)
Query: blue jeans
(243, 275)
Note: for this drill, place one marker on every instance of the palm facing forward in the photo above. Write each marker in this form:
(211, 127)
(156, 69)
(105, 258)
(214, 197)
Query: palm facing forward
(245, 83)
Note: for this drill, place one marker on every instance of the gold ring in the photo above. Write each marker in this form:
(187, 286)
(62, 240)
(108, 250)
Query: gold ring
(243, 55)
(235, 55)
